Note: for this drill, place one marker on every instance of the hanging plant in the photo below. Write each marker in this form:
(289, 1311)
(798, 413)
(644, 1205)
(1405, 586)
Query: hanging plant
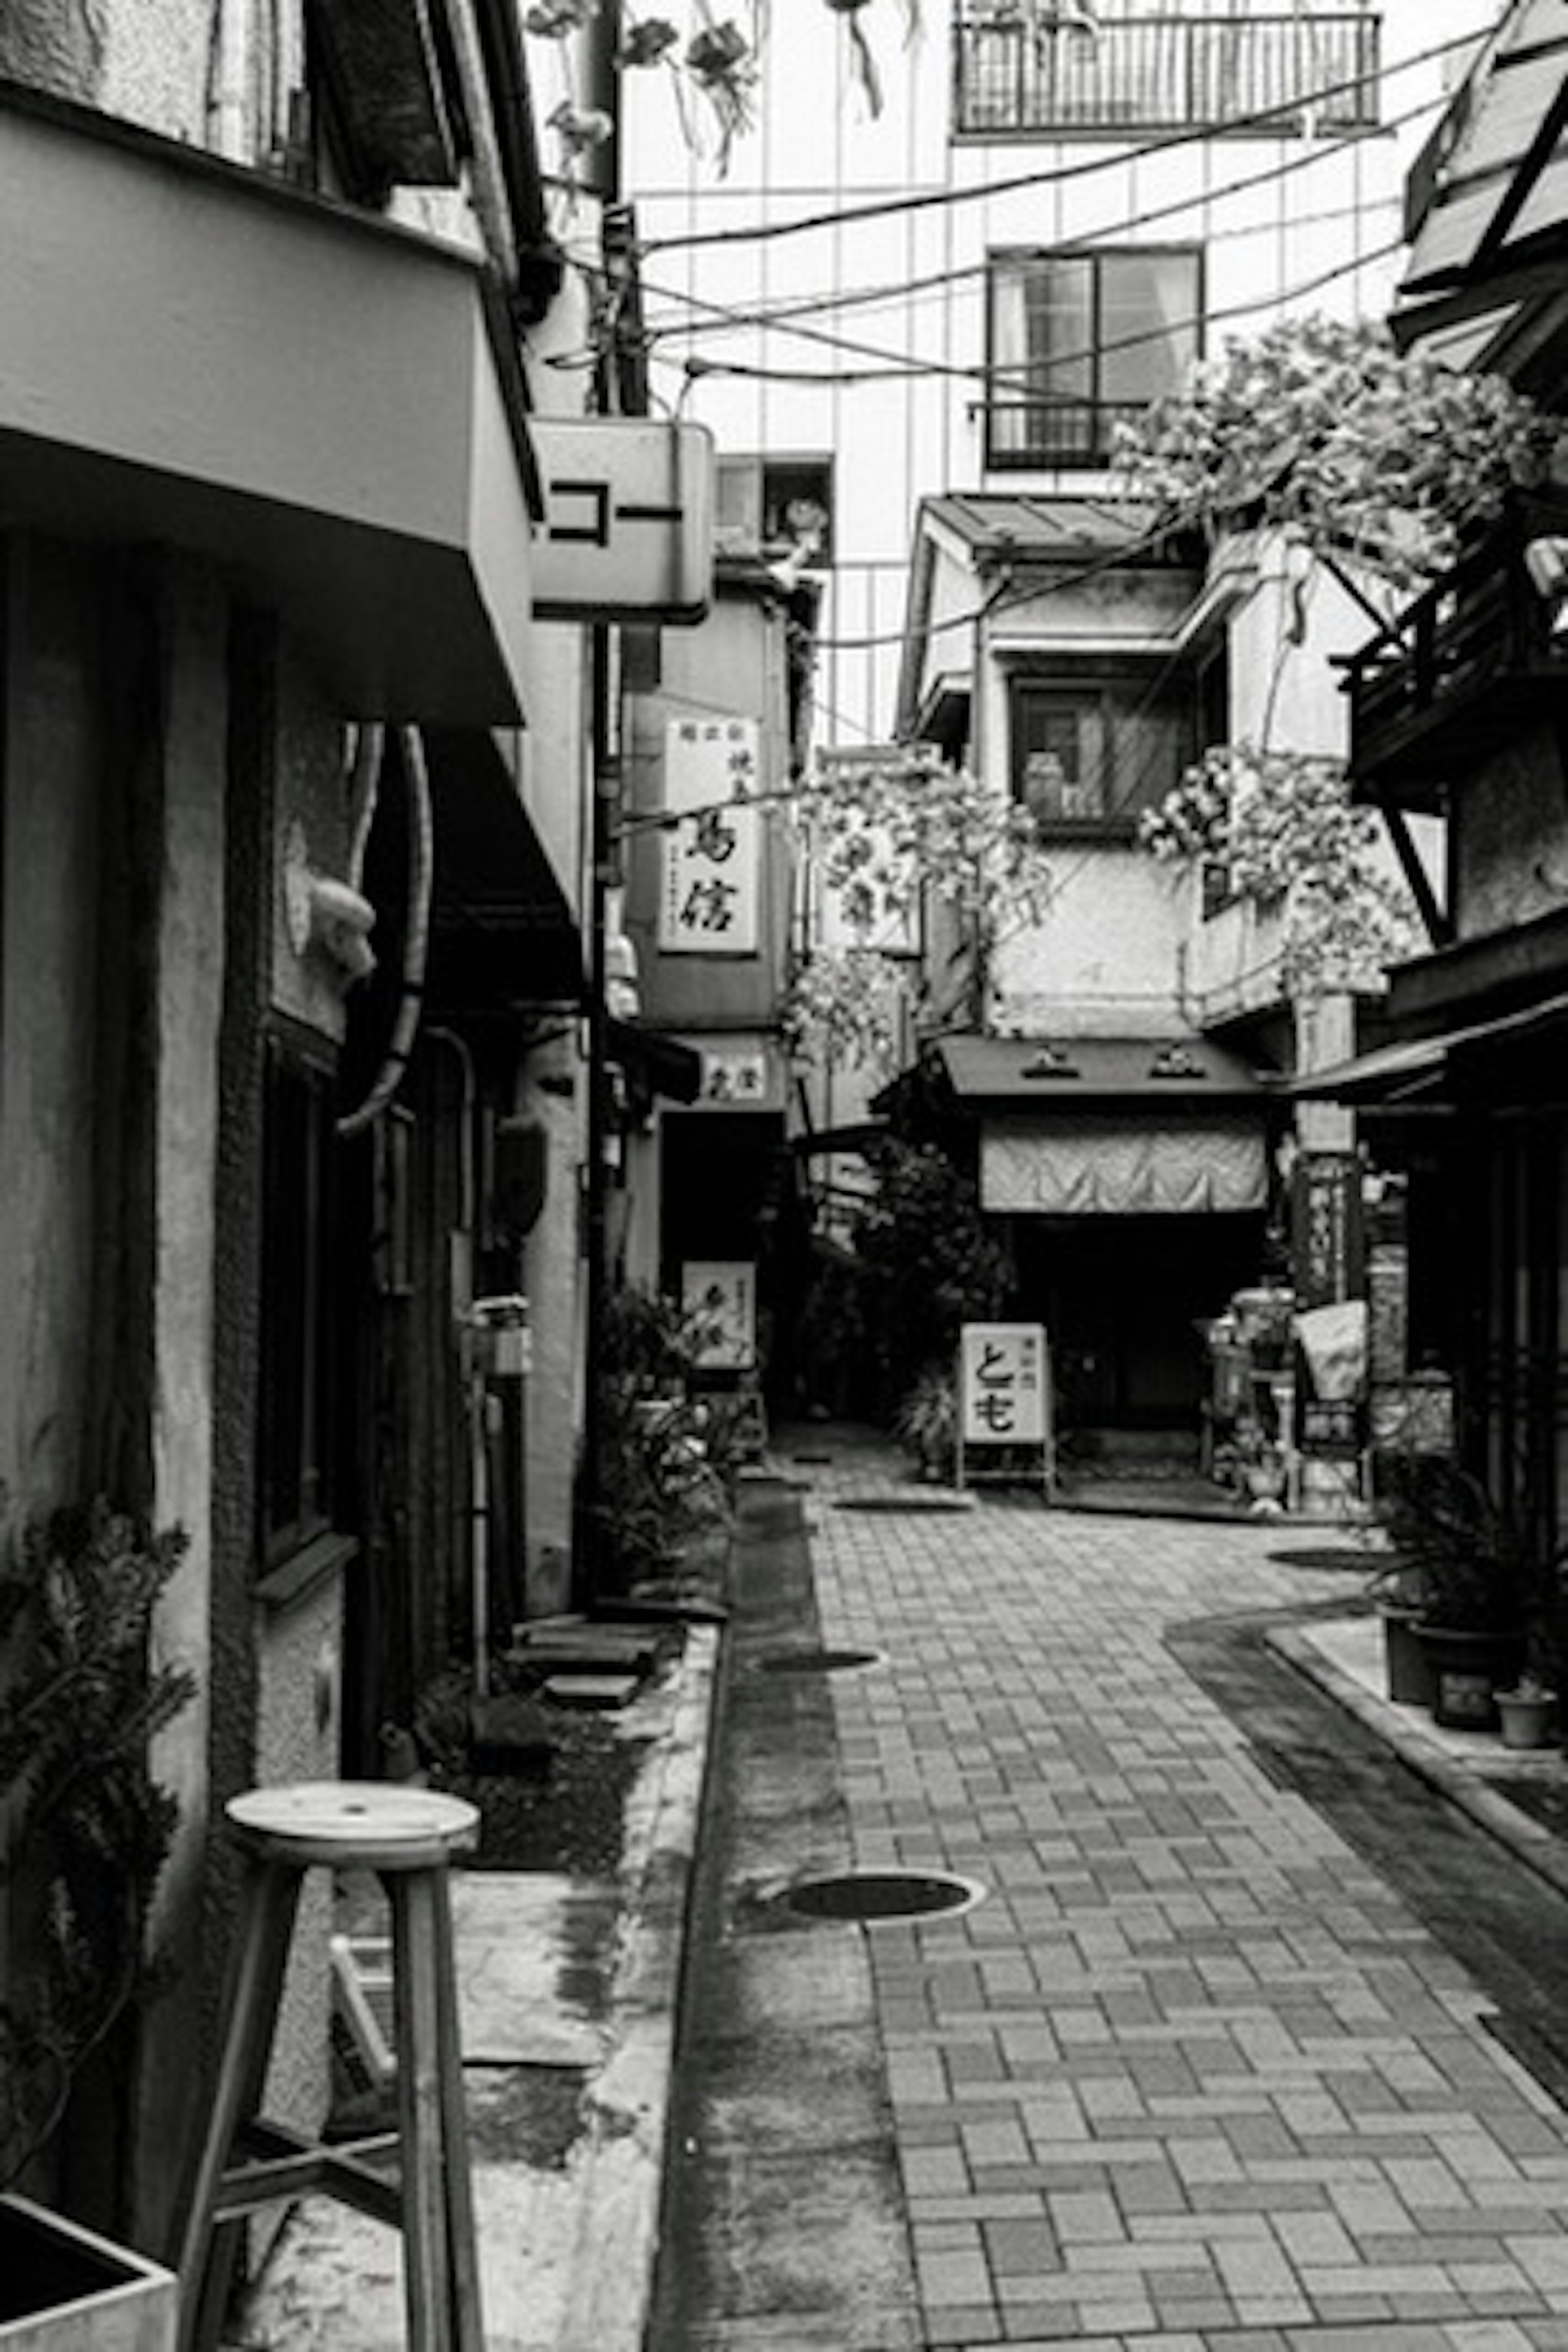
(1284, 832)
(1328, 432)
(840, 1009)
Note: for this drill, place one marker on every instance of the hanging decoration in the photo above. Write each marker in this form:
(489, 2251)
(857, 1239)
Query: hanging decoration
(717, 59)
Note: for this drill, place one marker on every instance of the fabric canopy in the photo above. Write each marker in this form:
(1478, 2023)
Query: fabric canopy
(1121, 1168)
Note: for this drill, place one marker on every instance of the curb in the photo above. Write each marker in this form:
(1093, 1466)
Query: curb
(616, 2244)
(1539, 1848)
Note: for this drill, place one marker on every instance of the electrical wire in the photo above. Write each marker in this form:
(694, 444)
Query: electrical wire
(841, 216)
(943, 281)
(901, 367)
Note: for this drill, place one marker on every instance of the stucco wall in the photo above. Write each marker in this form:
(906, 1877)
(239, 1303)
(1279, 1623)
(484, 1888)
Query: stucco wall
(1105, 959)
(1512, 842)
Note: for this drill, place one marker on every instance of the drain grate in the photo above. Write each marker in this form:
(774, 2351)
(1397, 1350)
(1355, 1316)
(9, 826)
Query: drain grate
(872, 1895)
(818, 1662)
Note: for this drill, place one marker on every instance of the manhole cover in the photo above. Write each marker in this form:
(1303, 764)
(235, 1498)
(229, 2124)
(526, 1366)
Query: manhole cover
(1350, 1558)
(818, 1662)
(873, 1895)
(946, 1498)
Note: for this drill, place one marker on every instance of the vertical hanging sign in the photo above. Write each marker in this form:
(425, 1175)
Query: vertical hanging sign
(713, 861)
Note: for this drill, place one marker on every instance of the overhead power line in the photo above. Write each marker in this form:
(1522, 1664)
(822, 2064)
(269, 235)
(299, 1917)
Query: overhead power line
(1112, 159)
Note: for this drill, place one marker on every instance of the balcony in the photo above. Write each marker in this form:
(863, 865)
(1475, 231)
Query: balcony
(1017, 76)
(1042, 434)
(1458, 669)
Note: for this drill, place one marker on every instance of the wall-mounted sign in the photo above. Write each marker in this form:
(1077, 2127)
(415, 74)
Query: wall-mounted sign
(628, 520)
(712, 862)
(734, 1077)
(1327, 1249)
(720, 1296)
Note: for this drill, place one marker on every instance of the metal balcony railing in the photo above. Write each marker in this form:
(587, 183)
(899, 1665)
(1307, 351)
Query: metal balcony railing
(1015, 73)
(1477, 647)
(1025, 435)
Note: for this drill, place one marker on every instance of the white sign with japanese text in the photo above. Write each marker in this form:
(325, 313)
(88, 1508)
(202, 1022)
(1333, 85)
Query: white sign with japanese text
(720, 1296)
(712, 862)
(1004, 1384)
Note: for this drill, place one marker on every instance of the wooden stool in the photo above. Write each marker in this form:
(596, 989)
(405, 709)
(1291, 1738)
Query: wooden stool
(407, 1836)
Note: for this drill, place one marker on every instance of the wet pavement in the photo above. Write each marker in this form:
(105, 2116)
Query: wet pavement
(1249, 2042)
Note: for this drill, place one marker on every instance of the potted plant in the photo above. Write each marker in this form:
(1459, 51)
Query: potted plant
(1398, 1593)
(927, 1424)
(1528, 1712)
(84, 1831)
(1463, 1556)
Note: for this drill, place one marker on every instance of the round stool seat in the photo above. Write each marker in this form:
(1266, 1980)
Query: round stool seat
(378, 1824)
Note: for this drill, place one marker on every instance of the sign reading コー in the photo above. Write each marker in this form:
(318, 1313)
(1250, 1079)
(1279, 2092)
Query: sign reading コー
(708, 905)
(1004, 1392)
(628, 519)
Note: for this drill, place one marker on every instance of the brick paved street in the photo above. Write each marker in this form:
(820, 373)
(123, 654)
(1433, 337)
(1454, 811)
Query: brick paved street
(1190, 2074)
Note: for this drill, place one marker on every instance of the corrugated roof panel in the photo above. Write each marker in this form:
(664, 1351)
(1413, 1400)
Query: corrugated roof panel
(1546, 206)
(1504, 110)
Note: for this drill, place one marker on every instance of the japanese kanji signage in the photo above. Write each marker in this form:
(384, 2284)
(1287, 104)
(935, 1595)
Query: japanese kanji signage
(1003, 1393)
(628, 519)
(1326, 1247)
(736, 1078)
(712, 862)
(721, 1296)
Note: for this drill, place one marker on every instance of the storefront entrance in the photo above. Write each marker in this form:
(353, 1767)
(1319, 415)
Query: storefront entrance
(1125, 1300)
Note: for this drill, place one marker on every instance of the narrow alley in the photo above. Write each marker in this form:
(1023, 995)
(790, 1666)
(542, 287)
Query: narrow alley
(1192, 2071)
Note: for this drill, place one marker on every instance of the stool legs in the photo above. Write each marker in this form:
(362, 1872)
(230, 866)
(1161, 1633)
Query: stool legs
(440, 2272)
(269, 1900)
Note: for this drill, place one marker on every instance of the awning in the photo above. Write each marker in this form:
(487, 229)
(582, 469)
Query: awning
(659, 1065)
(201, 356)
(1121, 1166)
(1065, 1070)
(1415, 1068)
(501, 933)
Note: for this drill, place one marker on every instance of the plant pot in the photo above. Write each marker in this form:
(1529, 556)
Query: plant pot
(64, 2289)
(1470, 1666)
(1412, 1677)
(1529, 1719)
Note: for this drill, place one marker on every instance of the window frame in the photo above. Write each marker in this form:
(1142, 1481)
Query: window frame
(1102, 412)
(1118, 690)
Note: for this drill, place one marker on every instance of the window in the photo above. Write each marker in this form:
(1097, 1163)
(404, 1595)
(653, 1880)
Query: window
(299, 1351)
(1060, 757)
(1088, 753)
(1079, 341)
(771, 506)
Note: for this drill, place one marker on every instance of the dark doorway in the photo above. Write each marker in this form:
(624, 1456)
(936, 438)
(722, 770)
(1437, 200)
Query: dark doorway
(1124, 1300)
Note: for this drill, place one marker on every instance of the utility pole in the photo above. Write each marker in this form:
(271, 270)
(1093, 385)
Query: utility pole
(602, 92)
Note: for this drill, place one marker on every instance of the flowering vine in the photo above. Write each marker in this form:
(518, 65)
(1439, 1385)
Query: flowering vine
(1348, 444)
(1282, 830)
(885, 835)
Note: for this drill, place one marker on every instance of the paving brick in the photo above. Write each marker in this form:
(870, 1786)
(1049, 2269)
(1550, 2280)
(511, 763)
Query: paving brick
(1192, 2078)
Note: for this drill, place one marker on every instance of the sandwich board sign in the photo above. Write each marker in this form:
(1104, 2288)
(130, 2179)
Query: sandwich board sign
(1004, 1399)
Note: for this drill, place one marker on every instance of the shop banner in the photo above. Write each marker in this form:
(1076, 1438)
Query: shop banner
(710, 890)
